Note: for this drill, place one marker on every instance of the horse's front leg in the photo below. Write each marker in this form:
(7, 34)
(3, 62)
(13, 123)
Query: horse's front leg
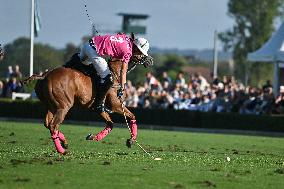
(118, 107)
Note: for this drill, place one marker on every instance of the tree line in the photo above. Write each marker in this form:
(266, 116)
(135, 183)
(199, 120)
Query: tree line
(48, 57)
(254, 22)
(253, 25)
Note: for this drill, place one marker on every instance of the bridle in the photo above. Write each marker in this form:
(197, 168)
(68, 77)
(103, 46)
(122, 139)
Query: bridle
(145, 61)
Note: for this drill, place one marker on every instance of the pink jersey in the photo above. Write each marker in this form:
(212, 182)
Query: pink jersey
(116, 46)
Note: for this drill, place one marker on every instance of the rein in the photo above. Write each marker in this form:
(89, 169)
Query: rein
(145, 61)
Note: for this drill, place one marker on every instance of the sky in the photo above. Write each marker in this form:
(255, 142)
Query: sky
(181, 24)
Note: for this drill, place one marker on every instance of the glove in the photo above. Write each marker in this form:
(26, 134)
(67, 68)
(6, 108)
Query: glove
(120, 93)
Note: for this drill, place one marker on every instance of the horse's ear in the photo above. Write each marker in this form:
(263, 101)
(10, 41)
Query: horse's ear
(132, 36)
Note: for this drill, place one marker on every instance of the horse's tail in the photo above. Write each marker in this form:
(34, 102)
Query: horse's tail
(35, 77)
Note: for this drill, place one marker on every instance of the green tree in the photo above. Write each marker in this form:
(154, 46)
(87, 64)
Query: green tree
(170, 63)
(18, 53)
(46, 57)
(253, 27)
(137, 76)
(69, 50)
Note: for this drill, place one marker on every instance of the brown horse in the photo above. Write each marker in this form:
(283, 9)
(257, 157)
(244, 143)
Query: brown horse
(61, 88)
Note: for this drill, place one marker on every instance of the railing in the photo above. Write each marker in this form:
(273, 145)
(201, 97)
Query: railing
(180, 118)
(23, 96)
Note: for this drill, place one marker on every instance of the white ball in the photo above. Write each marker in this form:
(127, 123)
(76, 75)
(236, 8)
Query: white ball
(228, 159)
(158, 159)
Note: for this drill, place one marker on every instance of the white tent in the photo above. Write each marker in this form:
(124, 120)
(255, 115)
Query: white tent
(271, 51)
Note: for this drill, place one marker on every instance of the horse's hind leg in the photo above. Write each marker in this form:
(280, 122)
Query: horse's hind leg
(102, 134)
(56, 135)
(47, 122)
(48, 119)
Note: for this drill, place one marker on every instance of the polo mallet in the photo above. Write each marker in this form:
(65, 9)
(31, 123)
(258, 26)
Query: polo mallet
(94, 30)
(122, 106)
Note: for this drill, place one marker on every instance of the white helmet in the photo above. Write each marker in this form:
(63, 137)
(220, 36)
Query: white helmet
(142, 44)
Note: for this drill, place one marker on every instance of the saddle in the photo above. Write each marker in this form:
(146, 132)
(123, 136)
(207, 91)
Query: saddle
(76, 64)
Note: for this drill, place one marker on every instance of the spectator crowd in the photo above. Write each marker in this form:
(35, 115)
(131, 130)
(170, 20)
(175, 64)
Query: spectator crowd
(195, 93)
(11, 82)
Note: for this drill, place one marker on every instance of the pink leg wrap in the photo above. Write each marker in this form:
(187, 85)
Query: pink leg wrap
(57, 143)
(133, 128)
(61, 136)
(103, 133)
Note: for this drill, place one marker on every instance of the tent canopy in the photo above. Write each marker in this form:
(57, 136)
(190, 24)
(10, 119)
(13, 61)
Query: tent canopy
(272, 50)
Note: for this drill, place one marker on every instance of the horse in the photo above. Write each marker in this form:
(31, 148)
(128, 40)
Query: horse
(63, 87)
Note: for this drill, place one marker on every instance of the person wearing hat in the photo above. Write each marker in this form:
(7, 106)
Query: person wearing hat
(115, 47)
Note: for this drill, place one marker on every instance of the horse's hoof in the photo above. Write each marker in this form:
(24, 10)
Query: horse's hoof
(64, 145)
(90, 137)
(129, 142)
(65, 152)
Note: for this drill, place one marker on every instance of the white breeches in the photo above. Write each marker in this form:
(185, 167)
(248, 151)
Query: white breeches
(88, 56)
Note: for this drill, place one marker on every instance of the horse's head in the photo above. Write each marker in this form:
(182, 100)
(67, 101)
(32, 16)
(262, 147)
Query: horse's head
(115, 66)
(146, 61)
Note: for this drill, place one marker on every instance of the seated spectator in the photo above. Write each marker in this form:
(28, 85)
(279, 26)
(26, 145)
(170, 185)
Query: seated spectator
(166, 86)
(279, 102)
(267, 85)
(13, 86)
(132, 99)
(165, 100)
(207, 104)
(266, 103)
(151, 82)
(1, 88)
(191, 101)
(17, 73)
(146, 104)
(9, 73)
(153, 98)
(180, 79)
(166, 78)
(202, 81)
(129, 86)
(250, 104)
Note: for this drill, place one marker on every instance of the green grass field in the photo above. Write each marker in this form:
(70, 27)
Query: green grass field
(189, 160)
